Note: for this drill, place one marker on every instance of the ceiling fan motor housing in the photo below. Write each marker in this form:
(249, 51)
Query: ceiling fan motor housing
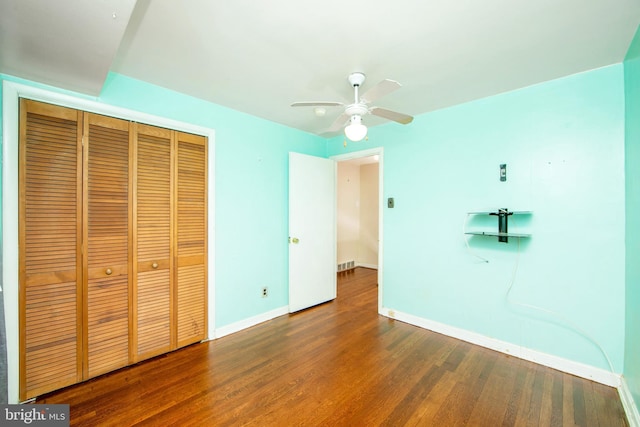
(356, 79)
(357, 109)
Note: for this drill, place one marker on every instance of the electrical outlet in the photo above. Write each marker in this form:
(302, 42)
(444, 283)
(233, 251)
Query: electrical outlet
(265, 292)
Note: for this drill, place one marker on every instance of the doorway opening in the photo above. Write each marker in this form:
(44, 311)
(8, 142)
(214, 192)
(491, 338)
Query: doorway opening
(359, 213)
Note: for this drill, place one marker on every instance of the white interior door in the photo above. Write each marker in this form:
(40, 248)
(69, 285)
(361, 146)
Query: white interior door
(312, 231)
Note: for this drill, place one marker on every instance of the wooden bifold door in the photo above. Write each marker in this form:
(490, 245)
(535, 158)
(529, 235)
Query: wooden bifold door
(112, 241)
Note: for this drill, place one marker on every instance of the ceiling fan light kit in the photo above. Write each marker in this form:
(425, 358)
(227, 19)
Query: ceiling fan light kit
(351, 118)
(355, 131)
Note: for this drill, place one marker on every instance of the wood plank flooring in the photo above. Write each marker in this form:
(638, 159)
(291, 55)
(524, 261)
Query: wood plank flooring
(339, 364)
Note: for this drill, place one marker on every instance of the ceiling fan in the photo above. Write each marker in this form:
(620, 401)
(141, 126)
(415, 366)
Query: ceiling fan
(353, 113)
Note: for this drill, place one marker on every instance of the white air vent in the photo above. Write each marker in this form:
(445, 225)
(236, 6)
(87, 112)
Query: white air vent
(349, 265)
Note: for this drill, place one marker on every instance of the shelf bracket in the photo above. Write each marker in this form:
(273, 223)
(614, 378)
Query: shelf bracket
(503, 223)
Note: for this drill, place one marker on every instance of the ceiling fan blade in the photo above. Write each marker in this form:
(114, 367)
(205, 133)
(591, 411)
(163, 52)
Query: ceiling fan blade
(383, 88)
(317, 104)
(392, 115)
(338, 123)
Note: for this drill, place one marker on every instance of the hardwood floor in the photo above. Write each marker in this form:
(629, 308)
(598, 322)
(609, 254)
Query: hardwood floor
(340, 364)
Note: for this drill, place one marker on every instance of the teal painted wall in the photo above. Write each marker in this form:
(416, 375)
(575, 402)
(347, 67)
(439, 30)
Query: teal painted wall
(251, 191)
(632, 168)
(563, 143)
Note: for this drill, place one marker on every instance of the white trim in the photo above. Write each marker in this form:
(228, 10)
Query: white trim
(365, 265)
(10, 116)
(10, 126)
(629, 404)
(252, 321)
(98, 107)
(575, 368)
(378, 151)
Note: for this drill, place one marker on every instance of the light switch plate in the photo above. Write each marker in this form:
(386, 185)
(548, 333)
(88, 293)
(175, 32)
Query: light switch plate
(390, 202)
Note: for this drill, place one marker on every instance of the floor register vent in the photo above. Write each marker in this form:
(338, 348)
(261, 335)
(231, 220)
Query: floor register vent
(349, 265)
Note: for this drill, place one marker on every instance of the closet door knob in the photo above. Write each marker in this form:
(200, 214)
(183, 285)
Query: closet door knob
(109, 271)
(154, 265)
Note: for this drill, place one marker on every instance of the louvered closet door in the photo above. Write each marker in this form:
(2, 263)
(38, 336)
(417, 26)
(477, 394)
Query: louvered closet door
(191, 238)
(107, 237)
(153, 290)
(49, 258)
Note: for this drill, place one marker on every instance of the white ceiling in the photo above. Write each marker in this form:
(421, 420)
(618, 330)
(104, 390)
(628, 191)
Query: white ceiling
(70, 44)
(260, 56)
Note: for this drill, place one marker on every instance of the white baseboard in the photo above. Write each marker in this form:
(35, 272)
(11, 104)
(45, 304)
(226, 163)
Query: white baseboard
(247, 323)
(629, 405)
(575, 368)
(372, 266)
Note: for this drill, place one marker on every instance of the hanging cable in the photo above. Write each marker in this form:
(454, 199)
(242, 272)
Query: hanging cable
(466, 240)
(555, 314)
(572, 325)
